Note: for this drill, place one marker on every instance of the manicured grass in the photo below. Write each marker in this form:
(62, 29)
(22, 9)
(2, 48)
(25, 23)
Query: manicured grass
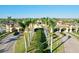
(63, 34)
(20, 44)
(75, 34)
(55, 45)
(54, 36)
(3, 35)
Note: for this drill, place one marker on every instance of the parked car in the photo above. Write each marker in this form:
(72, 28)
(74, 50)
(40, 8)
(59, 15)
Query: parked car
(69, 37)
(16, 33)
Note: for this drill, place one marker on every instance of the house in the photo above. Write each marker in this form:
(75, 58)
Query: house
(11, 26)
(69, 26)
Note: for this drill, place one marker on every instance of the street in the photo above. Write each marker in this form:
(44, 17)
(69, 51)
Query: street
(71, 44)
(6, 45)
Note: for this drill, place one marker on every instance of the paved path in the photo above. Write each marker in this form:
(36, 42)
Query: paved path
(71, 44)
(6, 45)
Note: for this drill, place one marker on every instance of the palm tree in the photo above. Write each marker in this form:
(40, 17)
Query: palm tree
(38, 43)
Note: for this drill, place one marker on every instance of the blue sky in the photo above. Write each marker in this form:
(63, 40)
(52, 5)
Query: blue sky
(69, 11)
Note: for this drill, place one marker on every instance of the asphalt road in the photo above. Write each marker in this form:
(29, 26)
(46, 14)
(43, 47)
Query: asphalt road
(6, 45)
(71, 44)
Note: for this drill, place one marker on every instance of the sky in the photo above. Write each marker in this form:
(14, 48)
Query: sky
(53, 11)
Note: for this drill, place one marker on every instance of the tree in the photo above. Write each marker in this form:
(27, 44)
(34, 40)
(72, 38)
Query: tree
(38, 43)
(24, 23)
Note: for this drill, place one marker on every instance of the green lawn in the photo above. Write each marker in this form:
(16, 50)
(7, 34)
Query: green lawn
(3, 35)
(55, 45)
(20, 44)
(76, 34)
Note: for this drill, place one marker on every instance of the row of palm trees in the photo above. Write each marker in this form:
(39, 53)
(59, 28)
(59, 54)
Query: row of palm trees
(39, 42)
(26, 21)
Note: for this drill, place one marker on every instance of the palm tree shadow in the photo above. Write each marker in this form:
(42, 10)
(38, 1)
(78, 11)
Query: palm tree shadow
(12, 39)
(6, 49)
(55, 41)
(61, 44)
(3, 50)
